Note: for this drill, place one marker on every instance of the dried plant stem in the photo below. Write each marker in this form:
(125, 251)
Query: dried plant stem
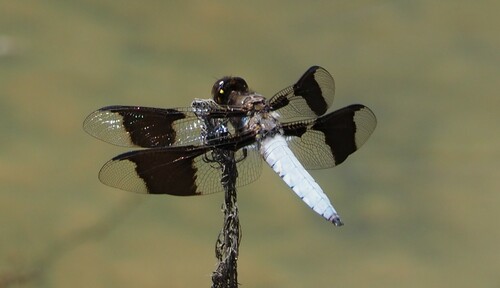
(228, 242)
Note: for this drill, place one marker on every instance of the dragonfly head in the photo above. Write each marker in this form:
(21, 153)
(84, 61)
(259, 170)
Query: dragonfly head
(226, 89)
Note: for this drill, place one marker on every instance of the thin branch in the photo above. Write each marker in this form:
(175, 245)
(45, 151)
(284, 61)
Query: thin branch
(228, 242)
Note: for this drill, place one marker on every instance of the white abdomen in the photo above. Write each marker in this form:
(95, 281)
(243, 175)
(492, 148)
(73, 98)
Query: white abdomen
(277, 154)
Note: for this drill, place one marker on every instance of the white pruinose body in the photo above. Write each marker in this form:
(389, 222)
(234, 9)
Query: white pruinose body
(278, 155)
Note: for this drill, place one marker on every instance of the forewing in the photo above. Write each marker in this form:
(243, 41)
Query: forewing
(148, 127)
(309, 98)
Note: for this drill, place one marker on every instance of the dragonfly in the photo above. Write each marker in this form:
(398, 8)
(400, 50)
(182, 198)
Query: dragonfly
(293, 131)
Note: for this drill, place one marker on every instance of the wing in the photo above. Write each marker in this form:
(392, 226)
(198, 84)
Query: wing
(309, 98)
(133, 126)
(327, 141)
(181, 171)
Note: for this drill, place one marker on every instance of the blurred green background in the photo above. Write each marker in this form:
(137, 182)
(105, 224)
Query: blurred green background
(420, 200)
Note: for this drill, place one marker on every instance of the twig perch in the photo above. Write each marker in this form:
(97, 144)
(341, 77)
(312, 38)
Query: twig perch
(228, 242)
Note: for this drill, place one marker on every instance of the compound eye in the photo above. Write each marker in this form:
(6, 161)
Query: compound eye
(219, 92)
(225, 87)
(220, 97)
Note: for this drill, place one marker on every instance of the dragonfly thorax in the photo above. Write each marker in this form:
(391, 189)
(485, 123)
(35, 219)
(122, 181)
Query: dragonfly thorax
(265, 124)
